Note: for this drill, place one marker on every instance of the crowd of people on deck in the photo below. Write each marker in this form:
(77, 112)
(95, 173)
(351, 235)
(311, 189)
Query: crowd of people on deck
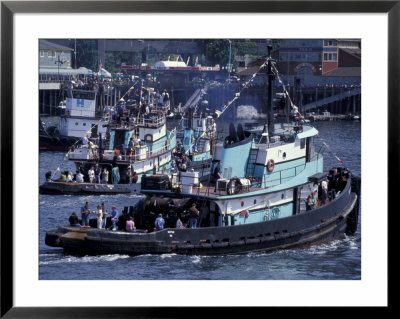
(331, 185)
(145, 103)
(113, 220)
(95, 175)
(101, 217)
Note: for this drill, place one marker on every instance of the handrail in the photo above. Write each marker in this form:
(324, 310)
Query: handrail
(265, 180)
(94, 152)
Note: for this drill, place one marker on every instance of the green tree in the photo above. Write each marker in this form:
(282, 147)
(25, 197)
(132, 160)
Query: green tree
(217, 51)
(87, 54)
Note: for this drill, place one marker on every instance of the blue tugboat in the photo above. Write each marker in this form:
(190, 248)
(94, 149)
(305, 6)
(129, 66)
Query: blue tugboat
(271, 194)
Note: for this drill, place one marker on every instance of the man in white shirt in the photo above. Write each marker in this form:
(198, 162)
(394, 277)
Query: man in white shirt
(91, 175)
(324, 186)
(79, 177)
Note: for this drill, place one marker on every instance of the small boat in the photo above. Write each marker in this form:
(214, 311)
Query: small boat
(273, 194)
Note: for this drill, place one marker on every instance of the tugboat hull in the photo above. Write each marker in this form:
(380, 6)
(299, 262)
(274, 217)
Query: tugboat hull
(319, 225)
(64, 188)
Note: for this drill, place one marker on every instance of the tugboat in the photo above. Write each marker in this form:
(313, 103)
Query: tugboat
(80, 116)
(135, 146)
(271, 193)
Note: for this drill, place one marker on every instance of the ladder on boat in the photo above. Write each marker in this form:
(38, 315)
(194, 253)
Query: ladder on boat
(251, 162)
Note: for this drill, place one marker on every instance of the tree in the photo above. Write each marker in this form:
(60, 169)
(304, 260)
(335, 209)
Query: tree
(217, 51)
(87, 54)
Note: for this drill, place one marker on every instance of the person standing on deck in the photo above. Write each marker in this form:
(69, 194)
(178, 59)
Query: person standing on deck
(114, 217)
(159, 222)
(103, 208)
(99, 214)
(85, 212)
(324, 186)
(97, 172)
(217, 174)
(105, 176)
(193, 214)
(79, 177)
(91, 174)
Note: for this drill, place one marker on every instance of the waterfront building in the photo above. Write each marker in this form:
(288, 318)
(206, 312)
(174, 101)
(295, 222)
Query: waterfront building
(312, 61)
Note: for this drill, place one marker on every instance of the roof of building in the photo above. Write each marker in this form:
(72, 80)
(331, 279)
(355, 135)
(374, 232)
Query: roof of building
(354, 52)
(64, 71)
(166, 64)
(44, 44)
(345, 71)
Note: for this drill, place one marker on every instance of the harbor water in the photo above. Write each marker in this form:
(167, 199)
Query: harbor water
(335, 260)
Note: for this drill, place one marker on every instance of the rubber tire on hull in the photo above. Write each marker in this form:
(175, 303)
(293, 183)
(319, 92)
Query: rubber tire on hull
(352, 219)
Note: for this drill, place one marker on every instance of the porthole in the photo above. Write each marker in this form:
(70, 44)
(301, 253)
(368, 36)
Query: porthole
(76, 123)
(84, 124)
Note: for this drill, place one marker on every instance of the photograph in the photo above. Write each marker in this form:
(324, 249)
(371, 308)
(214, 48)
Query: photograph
(208, 159)
(161, 158)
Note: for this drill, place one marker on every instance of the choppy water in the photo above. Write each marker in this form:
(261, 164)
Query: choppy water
(336, 260)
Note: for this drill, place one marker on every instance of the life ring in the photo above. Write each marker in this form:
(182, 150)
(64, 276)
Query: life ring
(148, 138)
(270, 165)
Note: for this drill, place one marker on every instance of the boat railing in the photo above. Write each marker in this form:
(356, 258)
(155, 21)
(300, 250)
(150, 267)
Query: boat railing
(269, 179)
(140, 157)
(151, 121)
(157, 108)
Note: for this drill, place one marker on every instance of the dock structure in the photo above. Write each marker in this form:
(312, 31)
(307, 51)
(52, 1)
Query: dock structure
(350, 94)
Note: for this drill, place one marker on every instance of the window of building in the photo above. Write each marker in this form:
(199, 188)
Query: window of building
(330, 43)
(305, 71)
(41, 53)
(330, 57)
(49, 54)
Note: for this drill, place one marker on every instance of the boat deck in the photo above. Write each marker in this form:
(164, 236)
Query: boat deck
(207, 189)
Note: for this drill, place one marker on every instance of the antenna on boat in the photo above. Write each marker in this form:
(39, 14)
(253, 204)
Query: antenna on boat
(271, 77)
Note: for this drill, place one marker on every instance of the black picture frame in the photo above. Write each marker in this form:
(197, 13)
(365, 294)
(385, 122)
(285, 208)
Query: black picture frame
(9, 8)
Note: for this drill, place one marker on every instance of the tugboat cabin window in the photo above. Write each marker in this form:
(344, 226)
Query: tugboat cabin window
(302, 143)
(83, 95)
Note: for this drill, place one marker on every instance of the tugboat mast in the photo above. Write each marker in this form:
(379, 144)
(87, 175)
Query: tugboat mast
(270, 111)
